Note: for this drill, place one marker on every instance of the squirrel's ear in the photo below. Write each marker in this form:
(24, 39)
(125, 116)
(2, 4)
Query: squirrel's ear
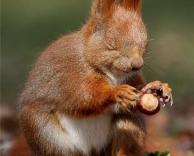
(134, 5)
(102, 8)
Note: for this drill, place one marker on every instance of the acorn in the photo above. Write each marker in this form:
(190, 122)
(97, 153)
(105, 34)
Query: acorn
(148, 104)
(153, 96)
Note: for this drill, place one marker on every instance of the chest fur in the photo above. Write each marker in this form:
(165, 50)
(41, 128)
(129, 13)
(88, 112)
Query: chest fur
(86, 134)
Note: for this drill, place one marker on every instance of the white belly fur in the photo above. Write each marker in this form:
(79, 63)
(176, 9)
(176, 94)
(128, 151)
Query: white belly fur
(86, 134)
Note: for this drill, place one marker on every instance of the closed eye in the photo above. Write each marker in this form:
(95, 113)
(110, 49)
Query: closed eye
(110, 47)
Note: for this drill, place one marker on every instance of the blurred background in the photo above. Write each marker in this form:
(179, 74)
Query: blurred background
(29, 26)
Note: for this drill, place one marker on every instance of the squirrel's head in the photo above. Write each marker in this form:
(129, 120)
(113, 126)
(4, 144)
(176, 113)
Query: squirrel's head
(116, 37)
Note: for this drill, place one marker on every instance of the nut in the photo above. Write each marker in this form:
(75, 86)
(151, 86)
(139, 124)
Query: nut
(152, 96)
(148, 104)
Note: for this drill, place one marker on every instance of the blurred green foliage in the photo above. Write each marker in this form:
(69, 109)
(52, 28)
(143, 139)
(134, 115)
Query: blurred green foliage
(28, 26)
(165, 153)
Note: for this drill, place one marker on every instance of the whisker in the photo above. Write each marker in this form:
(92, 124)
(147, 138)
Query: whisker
(160, 68)
(147, 59)
(151, 39)
(152, 70)
(148, 53)
(147, 56)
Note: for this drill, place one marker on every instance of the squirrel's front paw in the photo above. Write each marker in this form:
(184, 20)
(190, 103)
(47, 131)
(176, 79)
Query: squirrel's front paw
(160, 90)
(152, 96)
(126, 96)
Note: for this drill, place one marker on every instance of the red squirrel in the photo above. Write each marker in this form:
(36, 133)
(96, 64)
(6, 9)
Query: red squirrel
(76, 98)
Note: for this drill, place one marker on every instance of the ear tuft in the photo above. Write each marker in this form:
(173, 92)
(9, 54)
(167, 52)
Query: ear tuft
(102, 8)
(132, 5)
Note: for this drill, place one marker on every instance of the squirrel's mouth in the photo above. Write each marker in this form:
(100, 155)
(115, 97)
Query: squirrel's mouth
(126, 67)
(116, 75)
(128, 71)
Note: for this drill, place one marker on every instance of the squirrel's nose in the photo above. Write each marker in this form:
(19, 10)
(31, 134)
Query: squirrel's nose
(137, 63)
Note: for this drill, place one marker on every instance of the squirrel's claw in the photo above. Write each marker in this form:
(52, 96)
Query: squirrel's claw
(160, 90)
(171, 100)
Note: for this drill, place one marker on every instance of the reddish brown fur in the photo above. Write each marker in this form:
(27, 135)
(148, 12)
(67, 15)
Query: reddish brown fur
(132, 4)
(129, 127)
(20, 148)
(70, 78)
